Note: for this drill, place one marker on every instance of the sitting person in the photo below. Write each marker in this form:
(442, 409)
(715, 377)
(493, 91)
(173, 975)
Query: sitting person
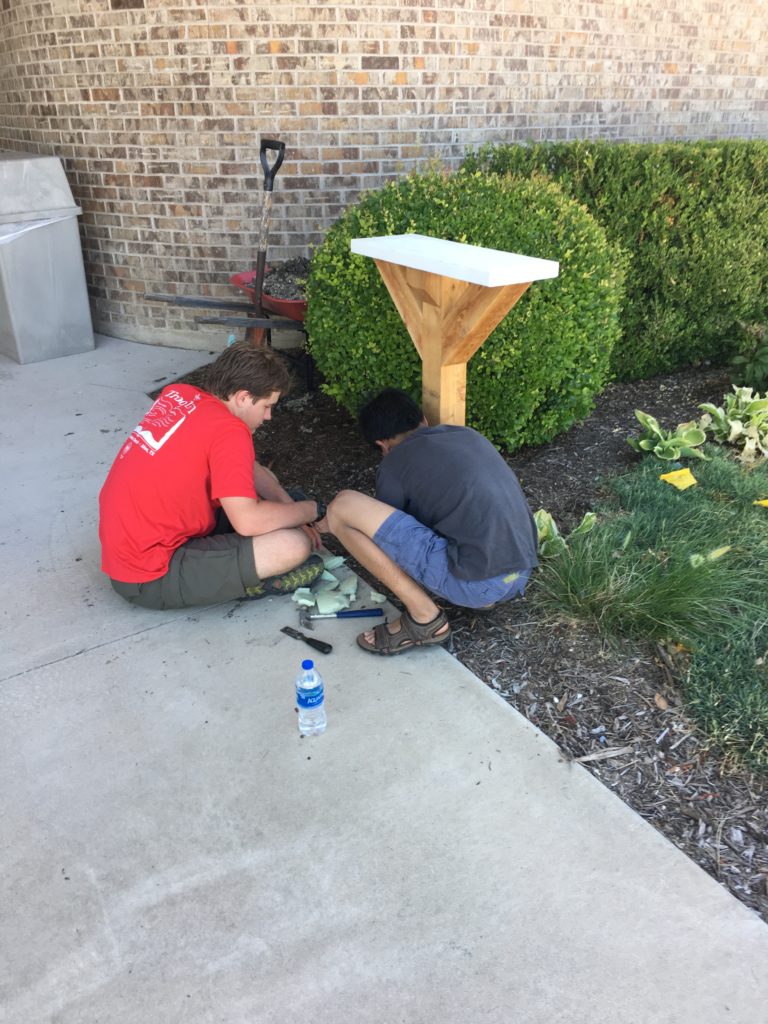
(187, 516)
(449, 517)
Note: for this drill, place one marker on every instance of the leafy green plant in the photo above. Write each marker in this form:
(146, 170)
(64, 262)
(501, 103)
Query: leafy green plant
(742, 420)
(693, 220)
(750, 367)
(551, 541)
(540, 369)
(680, 443)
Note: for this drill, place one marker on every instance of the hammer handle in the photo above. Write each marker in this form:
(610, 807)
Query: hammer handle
(355, 613)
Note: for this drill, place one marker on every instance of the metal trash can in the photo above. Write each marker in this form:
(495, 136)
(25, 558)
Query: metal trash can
(44, 311)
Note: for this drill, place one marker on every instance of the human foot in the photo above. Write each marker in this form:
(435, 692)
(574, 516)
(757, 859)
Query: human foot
(396, 637)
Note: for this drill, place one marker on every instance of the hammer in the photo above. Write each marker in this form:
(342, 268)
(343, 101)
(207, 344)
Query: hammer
(306, 619)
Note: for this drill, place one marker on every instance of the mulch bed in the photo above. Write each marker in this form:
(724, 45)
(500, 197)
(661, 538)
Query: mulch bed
(618, 711)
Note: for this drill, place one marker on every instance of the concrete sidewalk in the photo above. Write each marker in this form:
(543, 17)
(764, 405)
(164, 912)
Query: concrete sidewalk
(172, 851)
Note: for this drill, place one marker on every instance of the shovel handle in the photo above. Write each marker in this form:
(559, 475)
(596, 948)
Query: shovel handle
(270, 172)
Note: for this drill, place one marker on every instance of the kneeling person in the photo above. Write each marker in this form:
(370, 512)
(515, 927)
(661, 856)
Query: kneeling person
(449, 517)
(187, 516)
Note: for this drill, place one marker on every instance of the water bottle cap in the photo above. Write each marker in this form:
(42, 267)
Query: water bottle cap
(308, 664)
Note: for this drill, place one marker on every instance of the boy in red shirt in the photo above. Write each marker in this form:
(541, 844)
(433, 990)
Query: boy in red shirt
(187, 516)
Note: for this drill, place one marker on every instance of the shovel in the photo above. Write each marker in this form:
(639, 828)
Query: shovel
(257, 323)
(266, 212)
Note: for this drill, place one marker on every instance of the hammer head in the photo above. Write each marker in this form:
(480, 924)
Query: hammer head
(305, 622)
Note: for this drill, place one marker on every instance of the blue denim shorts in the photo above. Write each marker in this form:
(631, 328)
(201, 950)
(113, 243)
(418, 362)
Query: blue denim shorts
(423, 554)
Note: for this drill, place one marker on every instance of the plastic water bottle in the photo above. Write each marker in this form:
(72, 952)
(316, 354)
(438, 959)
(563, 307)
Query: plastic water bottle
(309, 700)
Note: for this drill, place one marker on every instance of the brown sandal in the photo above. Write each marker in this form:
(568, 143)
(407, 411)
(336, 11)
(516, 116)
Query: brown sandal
(410, 634)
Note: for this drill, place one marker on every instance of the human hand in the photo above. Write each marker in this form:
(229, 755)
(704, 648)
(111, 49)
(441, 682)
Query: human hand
(322, 525)
(313, 533)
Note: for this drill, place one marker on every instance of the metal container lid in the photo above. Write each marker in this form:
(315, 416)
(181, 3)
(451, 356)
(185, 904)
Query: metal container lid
(33, 186)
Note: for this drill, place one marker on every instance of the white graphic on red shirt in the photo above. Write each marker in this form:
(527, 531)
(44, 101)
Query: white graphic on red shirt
(165, 417)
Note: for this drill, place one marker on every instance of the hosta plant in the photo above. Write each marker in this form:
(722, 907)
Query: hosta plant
(551, 541)
(741, 420)
(671, 445)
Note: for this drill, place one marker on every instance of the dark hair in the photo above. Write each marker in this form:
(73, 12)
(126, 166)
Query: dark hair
(243, 367)
(390, 413)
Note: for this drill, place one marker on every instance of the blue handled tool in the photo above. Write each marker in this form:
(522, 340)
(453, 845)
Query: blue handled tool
(306, 617)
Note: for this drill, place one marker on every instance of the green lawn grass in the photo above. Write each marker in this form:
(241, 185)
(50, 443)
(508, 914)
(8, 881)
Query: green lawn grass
(647, 572)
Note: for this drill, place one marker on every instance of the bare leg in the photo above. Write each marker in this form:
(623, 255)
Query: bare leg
(280, 551)
(354, 518)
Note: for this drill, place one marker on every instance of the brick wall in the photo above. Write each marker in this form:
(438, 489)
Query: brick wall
(157, 108)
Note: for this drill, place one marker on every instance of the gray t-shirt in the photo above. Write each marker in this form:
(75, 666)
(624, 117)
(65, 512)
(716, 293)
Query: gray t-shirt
(454, 481)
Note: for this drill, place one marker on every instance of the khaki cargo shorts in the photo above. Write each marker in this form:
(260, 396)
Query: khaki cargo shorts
(205, 570)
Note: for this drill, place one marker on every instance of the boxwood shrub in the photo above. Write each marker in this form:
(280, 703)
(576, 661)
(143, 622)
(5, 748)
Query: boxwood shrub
(693, 218)
(540, 369)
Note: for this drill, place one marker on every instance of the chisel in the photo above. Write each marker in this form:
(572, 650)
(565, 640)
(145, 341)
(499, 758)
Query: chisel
(319, 645)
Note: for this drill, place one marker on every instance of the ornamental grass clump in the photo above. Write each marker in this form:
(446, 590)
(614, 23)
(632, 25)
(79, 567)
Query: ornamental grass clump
(539, 370)
(646, 594)
(688, 568)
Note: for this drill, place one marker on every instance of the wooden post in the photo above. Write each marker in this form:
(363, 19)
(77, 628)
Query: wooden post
(448, 320)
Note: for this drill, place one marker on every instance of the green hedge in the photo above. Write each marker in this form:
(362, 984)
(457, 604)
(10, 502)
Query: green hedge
(693, 219)
(539, 370)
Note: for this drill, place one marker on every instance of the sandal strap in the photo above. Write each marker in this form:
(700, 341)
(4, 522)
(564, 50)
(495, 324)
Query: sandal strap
(424, 632)
(409, 634)
(384, 640)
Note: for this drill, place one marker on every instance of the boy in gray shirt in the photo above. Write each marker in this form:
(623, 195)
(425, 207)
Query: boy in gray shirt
(449, 515)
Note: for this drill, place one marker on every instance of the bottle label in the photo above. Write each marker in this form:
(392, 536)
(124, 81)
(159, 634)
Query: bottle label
(309, 698)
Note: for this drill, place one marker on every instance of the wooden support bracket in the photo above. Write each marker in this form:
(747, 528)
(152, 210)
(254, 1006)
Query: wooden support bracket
(448, 320)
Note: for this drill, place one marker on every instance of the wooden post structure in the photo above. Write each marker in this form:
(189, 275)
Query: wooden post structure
(450, 297)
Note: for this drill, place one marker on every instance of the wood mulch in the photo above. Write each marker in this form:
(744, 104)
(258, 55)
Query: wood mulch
(618, 711)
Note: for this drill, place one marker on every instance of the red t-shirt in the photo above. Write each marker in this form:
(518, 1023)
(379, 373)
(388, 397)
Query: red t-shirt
(164, 486)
